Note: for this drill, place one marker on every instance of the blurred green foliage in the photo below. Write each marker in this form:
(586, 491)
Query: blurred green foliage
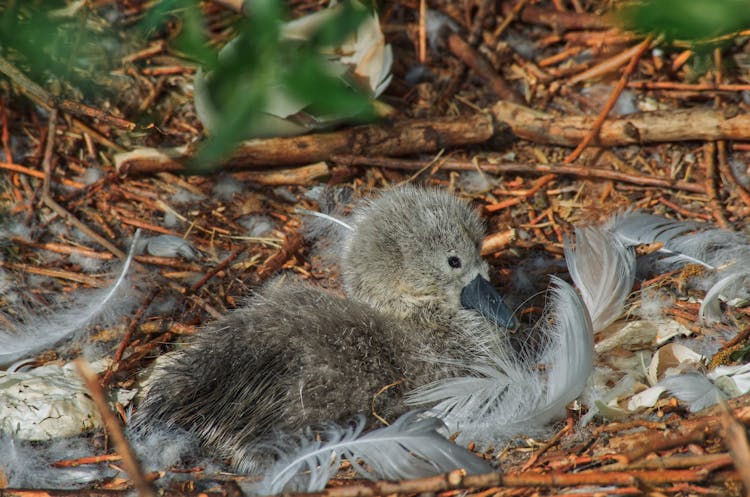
(71, 50)
(63, 48)
(241, 78)
(741, 355)
(695, 21)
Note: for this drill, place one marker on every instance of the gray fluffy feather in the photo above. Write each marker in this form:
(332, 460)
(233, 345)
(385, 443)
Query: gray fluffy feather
(409, 448)
(28, 465)
(726, 252)
(44, 329)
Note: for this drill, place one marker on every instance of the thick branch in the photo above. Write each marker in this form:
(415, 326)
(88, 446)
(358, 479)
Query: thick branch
(646, 127)
(430, 135)
(403, 138)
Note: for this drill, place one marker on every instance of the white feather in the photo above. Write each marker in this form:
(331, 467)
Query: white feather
(509, 392)
(710, 310)
(48, 327)
(695, 389)
(409, 448)
(327, 217)
(603, 270)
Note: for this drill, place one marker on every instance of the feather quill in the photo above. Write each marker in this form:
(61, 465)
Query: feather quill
(508, 392)
(44, 330)
(411, 447)
(326, 217)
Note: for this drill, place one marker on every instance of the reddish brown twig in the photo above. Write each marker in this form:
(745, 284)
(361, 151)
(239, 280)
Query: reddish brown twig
(74, 463)
(477, 62)
(596, 126)
(129, 460)
(134, 322)
(216, 269)
(500, 167)
(712, 180)
(734, 435)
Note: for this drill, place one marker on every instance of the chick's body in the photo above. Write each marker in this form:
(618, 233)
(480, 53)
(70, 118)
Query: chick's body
(295, 355)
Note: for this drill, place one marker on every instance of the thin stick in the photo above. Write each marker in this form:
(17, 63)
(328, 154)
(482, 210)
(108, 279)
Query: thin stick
(712, 181)
(422, 31)
(17, 168)
(544, 448)
(493, 167)
(129, 460)
(575, 154)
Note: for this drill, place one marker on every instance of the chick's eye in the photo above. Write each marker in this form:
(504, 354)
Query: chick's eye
(454, 261)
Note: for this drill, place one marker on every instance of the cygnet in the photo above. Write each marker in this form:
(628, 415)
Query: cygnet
(418, 300)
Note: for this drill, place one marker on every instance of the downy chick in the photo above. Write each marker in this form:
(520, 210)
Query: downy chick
(295, 355)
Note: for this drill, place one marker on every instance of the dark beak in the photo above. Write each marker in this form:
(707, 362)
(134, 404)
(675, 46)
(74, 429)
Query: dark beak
(481, 296)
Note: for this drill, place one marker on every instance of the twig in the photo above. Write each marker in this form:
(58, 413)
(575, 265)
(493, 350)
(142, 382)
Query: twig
(402, 138)
(609, 65)
(678, 208)
(498, 241)
(54, 273)
(79, 492)
(734, 435)
(129, 461)
(524, 168)
(563, 21)
(74, 463)
(596, 126)
(57, 208)
(632, 129)
(730, 174)
(298, 176)
(696, 87)
(674, 462)
(291, 245)
(216, 269)
(510, 16)
(60, 248)
(47, 160)
(457, 479)
(539, 183)
(709, 154)
(134, 322)
(479, 64)
(8, 166)
(544, 448)
(422, 32)
(426, 136)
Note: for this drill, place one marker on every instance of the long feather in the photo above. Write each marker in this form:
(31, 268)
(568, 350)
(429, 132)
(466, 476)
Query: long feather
(603, 269)
(509, 392)
(726, 252)
(411, 447)
(51, 326)
(324, 216)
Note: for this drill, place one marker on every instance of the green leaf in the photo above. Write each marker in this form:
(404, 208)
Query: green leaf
(688, 20)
